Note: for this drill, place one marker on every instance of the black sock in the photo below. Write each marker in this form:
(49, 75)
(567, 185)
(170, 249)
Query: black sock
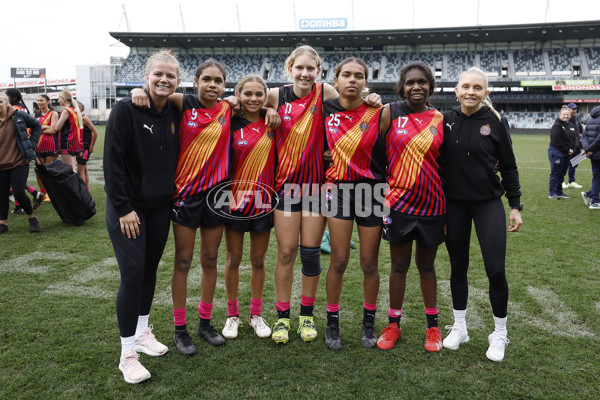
(368, 316)
(395, 319)
(204, 322)
(432, 320)
(180, 328)
(307, 311)
(333, 318)
(283, 313)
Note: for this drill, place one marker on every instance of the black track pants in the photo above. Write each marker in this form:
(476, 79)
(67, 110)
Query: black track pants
(17, 178)
(490, 225)
(138, 261)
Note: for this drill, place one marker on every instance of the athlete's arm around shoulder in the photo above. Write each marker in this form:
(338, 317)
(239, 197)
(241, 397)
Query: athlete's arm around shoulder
(329, 92)
(385, 121)
(139, 98)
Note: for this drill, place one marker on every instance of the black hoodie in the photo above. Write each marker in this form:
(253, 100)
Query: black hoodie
(140, 156)
(562, 136)
(472, 146)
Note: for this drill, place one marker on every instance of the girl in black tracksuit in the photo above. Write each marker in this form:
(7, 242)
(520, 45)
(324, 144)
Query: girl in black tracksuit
(140, 157)
(475, 139)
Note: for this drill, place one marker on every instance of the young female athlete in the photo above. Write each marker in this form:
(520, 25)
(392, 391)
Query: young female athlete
(475, 138)
(416, 200)
(253, 171)
(47, 149)
(299, 176)
(358, 155)
(89, 136)
(69, 126)
(203, 163)
(139, 169)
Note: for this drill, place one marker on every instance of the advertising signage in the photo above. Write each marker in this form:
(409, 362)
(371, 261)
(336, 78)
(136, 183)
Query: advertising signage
(28, 73)
(323, 24)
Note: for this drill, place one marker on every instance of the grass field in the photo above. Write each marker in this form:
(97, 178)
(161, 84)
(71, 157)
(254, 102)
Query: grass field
(59, 336)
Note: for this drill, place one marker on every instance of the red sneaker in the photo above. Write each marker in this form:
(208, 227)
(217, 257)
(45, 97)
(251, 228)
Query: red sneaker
(433, 341)
(389, 336)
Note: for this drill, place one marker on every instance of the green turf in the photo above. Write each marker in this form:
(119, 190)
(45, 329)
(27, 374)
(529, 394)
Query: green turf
(59, 336)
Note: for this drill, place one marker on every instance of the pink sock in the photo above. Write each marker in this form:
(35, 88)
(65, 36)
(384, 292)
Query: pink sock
(394, 313)
(431, 311)
(281, 306)
(370, 307)
(179, 316)
(232, 308)
(307, 301)
(31, 189)
(333, 307)
(255, 306)
(205, 310)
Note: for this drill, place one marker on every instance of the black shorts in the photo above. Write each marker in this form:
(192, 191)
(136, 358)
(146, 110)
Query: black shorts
(356, 201)
(262, 223)
(82, 158)
(197, 211)
(400, 228)
(294, 201)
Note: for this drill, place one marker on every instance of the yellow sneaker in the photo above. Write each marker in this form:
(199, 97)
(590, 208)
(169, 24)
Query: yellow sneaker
(281, 330)
(307, 329)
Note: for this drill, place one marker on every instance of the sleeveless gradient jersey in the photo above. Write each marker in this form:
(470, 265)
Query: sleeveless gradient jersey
(69, 136)
(204, 140)
(412, 148)
(253, 165)
(299, 138)
(353, 137)
(47, 143)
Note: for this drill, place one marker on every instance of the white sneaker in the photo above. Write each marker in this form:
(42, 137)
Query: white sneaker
(133, 370)
(586, 199)
(146, 343)
(498, 343)
(458, 334)
(574, 185)
(230, 331)
(261, 329)
(564, 185)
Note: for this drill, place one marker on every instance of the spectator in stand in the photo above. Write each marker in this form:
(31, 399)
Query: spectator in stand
(574, 120)
(561, 147)
(591, 145)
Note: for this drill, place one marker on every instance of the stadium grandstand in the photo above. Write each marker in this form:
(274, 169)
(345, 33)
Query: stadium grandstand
(533, 69)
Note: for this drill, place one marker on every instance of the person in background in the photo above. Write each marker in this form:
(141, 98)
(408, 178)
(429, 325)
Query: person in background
(69, 126)
(476, 137)
(17, 149)
(590, 139)
(139, 170)
(559, 150)
(47, 149)
(16, 101)
(89, 136)
(574, 120)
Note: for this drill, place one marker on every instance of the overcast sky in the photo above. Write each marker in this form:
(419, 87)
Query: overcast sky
(58, 35)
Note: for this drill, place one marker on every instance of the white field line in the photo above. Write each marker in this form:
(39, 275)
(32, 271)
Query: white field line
(34, 263)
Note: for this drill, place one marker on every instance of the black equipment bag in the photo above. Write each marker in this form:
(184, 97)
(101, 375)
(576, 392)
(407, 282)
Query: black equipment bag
(70, 198)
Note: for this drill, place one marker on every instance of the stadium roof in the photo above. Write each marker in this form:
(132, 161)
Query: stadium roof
(413, 37)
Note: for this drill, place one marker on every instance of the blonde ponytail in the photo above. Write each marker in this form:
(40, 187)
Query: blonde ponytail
(67, 95)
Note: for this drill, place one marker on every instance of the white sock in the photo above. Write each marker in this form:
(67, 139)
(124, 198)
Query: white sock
(127, 343)
(142, 324)
(460, 318)
(500, 325)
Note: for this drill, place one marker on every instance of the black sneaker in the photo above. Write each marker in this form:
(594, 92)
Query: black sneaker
(37, 200)
(3, 228)
(369, 336)
(184, 343)
(209, 333)
(332, 337)
(34, 225)
(18, 211)
(563, 196)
